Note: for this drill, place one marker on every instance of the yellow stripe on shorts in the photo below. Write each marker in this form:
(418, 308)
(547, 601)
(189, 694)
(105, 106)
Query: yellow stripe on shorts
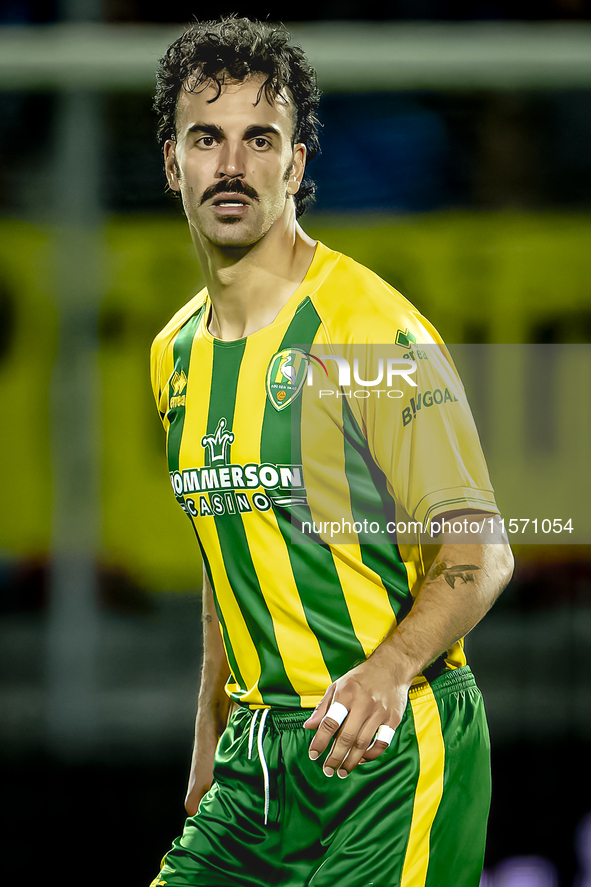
(429, 789)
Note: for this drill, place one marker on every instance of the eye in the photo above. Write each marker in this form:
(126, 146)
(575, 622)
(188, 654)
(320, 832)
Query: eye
(206, 142)
(261, 143)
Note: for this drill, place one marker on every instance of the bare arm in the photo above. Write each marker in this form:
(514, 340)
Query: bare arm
(461, 586)
(213, 703)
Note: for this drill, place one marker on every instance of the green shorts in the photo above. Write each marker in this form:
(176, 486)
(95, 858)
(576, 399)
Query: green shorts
(414, 817)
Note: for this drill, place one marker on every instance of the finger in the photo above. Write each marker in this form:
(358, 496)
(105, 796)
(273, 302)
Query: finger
(350, 747)
(380, 743)
(320, 710)
(352, 739)
(330, 723)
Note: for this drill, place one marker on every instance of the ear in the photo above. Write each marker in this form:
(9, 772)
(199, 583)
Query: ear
(171, 166)
(298, 168)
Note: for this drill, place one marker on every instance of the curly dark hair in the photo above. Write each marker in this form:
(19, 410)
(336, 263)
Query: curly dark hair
(237, 48)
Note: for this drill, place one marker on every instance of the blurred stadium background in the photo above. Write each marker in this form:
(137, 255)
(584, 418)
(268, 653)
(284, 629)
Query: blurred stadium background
(456, 164)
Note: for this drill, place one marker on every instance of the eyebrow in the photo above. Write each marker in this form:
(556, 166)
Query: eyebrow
(208, 128)
(254, 130)
(250, 132)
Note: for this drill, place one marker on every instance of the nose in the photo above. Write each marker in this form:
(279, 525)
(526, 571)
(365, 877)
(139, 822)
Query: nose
(231, 160)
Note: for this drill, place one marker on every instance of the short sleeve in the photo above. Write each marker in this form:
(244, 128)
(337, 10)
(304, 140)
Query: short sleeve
(422, 435)
(161, 369)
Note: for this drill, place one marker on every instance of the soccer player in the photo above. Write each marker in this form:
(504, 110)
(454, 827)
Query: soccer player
(340, 736)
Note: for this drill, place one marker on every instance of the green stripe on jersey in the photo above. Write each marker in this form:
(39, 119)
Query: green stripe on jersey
(313, 566)
(229, 650)
(240, 570)
(371, 501)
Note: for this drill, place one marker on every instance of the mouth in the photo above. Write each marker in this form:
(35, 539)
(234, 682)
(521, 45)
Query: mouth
(236, 201)
(230, 207)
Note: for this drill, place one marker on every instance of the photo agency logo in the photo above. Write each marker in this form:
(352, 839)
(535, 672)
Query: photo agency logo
(419, 379)
(390, 371)
(359, 377)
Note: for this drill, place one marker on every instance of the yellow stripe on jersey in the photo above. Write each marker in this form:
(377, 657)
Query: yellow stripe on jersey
(238, 634)
(429, 790)
(297, 644)
(251, 398)
(366, 598)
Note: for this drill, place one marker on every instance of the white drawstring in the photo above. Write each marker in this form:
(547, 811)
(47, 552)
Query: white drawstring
(251, 734)
(262, 760)
(261, 752)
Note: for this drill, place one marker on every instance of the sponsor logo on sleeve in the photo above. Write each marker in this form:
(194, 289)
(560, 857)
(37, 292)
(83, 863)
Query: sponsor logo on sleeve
(426, 399)
(406, 338)
(178, 383)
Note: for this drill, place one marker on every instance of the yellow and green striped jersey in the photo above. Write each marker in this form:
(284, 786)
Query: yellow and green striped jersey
(274, 437)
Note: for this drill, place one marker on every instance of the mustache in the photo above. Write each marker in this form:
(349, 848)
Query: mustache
(229, 186)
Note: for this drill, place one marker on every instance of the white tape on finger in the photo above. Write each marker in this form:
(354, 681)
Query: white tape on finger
(337, 712)
(385, 734)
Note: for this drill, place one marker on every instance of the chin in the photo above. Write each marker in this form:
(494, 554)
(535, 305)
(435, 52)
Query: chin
(233, 235)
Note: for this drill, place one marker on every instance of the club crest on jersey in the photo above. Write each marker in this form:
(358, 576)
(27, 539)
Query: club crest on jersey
(285, 376)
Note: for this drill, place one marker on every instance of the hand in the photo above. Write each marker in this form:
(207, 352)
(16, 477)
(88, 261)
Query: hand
(201, 775)
(200, 779)
(373, 696)
(195, 791)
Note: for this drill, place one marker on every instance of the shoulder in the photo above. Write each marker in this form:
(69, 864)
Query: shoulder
(163, 342)
(179, 319)
(354, 303)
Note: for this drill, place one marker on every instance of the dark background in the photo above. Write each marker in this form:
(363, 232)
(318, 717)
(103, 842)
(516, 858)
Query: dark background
(107, 812)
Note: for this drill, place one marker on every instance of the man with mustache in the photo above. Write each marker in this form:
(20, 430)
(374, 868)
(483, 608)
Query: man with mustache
(340, 737)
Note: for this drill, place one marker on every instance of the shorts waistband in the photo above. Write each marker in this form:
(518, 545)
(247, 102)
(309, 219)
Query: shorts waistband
(453, 681)
(290, 719)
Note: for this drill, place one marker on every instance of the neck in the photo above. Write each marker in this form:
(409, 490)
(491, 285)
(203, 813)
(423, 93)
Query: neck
(248, 286)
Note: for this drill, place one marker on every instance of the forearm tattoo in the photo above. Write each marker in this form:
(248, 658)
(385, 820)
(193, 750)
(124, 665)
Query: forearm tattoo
(465, 572)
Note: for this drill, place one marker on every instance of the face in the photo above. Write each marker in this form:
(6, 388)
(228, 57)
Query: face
(234, 163)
